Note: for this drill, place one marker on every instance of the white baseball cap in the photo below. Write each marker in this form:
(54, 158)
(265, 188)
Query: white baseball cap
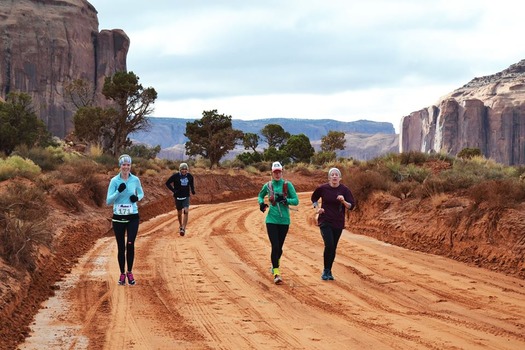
(276, 166)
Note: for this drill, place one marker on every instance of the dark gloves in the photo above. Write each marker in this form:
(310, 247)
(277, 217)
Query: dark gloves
(263, 207)
(280, 199)
(133, 198)
(122, 187)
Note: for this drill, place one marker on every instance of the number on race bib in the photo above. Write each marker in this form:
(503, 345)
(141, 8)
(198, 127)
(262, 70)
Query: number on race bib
(124, 209)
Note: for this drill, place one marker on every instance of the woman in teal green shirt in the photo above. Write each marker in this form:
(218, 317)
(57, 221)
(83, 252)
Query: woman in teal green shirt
(281, 194)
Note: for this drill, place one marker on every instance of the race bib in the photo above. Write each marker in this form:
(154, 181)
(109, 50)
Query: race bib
(124, 209)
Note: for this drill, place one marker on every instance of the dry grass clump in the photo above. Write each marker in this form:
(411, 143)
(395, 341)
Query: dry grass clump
(45, 182)
(363, 182)
(303, 169)
(404, 189)
(94, 189)
(23, 225)
(75, 170)
(505, 193)
(68, 198)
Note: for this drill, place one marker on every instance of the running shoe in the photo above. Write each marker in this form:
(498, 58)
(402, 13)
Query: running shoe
(182, 232)
(122, 279)
(277, 279)
(330, 277)
(131, 280)
(326, 275)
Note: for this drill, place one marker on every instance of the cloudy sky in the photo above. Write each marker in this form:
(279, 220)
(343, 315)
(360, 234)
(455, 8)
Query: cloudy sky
(338, 59)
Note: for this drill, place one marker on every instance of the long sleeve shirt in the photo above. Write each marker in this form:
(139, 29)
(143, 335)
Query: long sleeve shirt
(121, 202)
(334, 211)
(279, 213)
(181, 185)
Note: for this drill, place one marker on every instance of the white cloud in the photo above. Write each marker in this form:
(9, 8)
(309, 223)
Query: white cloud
(340, 59)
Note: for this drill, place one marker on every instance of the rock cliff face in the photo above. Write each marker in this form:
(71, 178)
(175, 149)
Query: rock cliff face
(487, 113)
(46, 44)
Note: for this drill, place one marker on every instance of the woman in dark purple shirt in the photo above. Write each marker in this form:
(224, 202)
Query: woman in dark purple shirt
(336, 198)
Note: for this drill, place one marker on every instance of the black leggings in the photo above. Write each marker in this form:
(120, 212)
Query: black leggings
(126, 253)
(331, 237)
(277, 234)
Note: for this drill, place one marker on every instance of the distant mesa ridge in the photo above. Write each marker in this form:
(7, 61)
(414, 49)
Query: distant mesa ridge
(365, 139)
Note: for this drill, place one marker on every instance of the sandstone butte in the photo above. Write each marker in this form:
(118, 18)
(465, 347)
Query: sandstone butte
(487, 113)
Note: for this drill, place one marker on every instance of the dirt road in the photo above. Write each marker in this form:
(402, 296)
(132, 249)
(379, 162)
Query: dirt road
(212, 289)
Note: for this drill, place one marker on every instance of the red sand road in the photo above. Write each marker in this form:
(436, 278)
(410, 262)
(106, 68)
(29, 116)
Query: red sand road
(212, 289)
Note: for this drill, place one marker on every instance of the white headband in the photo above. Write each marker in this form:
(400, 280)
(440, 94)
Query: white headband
(124, 159)
(332, 170)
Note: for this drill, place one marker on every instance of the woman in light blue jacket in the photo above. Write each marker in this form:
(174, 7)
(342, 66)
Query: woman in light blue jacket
(124, 191)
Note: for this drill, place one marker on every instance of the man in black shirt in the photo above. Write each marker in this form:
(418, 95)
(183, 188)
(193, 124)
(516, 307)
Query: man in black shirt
(181, 184)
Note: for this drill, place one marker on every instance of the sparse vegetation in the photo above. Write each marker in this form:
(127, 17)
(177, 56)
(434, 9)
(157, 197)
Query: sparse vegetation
(18, 166)
(23, 226)
(68, 198)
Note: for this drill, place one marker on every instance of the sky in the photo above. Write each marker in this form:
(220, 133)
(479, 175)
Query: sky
(345, 60)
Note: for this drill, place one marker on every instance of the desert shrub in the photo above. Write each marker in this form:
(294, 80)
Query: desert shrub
(431, 187)
(47, 159)
(94, 189)
(23, 225)
(404, 189)
(18, 166)
(151, 172)
(171, 165)
(75, 170)
(416, 173)
(95, 151)
(321, 158)
(498, 193)
(363, 182)
(45, 182)
(200, 163)
(392, 170)
(388, 166)
(303, 169)
(519, 172)
(142, 165)
(262, 167)
(165, 163)
(468, 153)
(413, 157)
(466, 173)
(437, 200)
(68, 199)
(108, 161)
(251, 170)
(233, 163)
